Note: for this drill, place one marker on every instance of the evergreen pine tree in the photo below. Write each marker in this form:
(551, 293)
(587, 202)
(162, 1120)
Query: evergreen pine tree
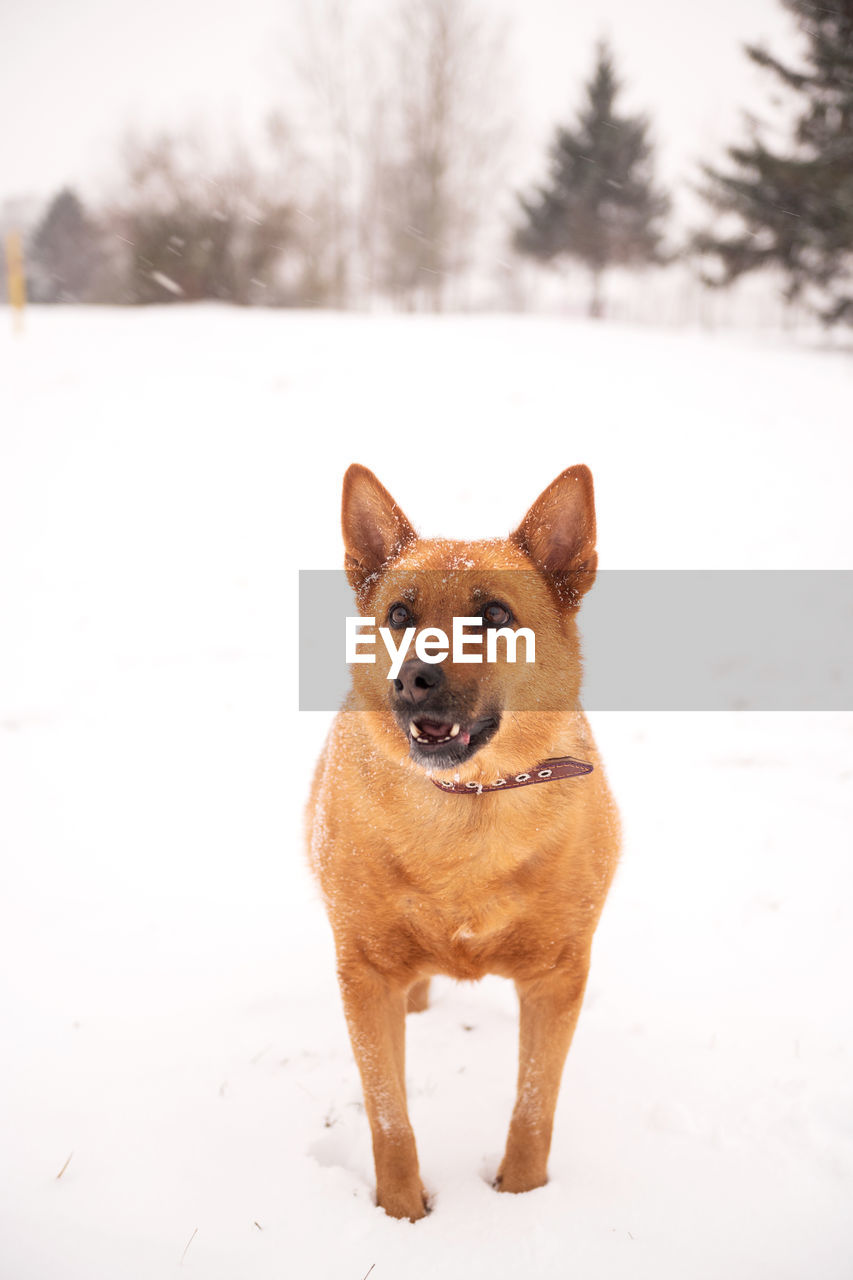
(600, 204)
(794, 205)
(66, 252)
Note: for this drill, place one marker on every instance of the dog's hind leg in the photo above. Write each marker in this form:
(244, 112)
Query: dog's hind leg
(376, 1016)
(418, 997)
(549, 1013)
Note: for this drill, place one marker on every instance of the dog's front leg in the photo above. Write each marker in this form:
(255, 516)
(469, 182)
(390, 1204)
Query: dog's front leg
(549, 1013)
(376, 1016)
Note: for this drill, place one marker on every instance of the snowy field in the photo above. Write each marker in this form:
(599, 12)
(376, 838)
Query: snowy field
(172, 1036)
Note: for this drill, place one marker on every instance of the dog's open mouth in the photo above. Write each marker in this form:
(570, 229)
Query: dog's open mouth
(433, 733)
(448, 742)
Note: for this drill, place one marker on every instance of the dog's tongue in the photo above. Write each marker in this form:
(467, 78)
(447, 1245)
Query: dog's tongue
(430, 729)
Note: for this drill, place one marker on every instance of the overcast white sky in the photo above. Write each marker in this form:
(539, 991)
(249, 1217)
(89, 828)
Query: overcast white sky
(75, 74)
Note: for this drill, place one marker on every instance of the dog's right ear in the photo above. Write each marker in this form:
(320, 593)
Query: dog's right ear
(375, 529)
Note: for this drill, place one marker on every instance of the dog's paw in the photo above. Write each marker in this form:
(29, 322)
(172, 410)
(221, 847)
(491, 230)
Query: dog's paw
(516, 1179)
(405, 1202)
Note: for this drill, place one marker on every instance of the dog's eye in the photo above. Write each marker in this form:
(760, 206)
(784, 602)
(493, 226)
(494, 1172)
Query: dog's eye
(496, 614)
(399, 616)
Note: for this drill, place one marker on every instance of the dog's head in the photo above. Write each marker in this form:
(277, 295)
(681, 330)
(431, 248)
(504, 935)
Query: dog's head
(441, 715)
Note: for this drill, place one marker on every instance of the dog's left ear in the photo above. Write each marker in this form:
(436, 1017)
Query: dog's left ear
(558, 533)
(375, 529)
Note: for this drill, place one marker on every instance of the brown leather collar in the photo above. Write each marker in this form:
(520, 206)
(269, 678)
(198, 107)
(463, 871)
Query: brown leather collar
(546, 771)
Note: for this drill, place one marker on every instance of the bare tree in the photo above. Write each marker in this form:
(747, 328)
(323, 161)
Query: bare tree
(404, 128)
(324, 70)
(440, 180)
(196, 229)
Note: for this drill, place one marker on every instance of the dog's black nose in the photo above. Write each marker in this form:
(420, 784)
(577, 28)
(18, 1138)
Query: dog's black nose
(417, 680)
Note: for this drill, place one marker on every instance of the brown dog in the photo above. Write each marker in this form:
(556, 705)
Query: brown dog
(434, 850)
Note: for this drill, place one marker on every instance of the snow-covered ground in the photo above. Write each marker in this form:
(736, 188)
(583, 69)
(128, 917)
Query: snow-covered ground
(172, 1035)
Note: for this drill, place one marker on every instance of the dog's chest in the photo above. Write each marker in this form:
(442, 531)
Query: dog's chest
(469, 934)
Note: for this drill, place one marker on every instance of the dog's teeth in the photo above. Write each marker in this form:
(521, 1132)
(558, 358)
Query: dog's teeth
(419, 736)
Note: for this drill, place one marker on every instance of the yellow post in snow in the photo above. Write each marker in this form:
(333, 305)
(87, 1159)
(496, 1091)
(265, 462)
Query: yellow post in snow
(17, 284)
